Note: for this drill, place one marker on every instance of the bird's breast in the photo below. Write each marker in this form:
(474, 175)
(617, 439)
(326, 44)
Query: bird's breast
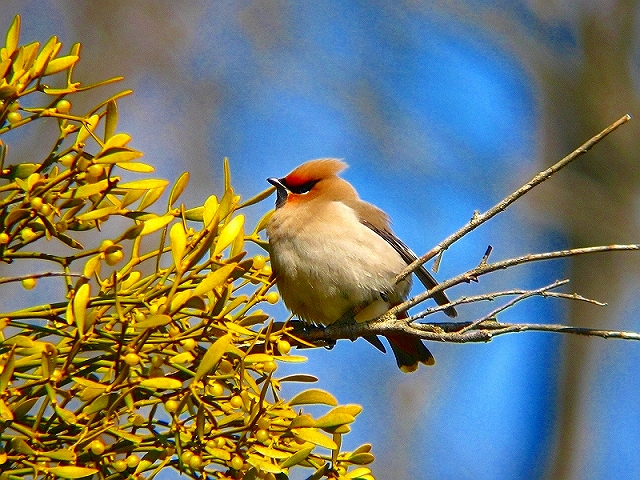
(329, 263)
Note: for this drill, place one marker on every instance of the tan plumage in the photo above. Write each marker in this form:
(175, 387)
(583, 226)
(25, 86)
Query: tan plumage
(334, 254)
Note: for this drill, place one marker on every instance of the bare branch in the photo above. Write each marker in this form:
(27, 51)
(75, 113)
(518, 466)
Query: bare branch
(451, 332)
(483, 268)
(4, 280)
(478, 219)
(493, 295)
(494, 313)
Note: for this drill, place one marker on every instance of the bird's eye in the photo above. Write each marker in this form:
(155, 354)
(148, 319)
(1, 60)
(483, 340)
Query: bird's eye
(304, 188)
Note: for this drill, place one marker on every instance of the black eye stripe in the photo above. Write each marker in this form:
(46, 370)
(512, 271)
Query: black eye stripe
(304, 188)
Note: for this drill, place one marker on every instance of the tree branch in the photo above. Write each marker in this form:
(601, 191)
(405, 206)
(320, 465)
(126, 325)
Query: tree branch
(478, 219)
(484, 267)
(493, 295)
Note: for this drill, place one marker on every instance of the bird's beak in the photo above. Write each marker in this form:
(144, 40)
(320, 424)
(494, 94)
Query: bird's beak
(281, 191)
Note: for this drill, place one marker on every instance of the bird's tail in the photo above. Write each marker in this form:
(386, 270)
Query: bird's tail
(409, 352)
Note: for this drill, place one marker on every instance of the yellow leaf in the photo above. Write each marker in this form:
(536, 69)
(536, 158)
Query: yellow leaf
(151, 197)
(117, 140)
(195, 214)
(49, 50)
(37, 348)
(363, 458)
(4, 89)
(156, 224)
(71, 471)
(228, 234)
(69, 313)
(138, 167)
(237, 246)
(101, 402)
(97, 214)
(65, 415)
(6, 415)
(334, 419)
(227, 173)
(130, 280)
(111, 120)
(87, 128)
(312, 435)
(210, 209)
(145, 184)
(313, 396)
(130, 197)
(24, 59)
(297, 457)
(259, 197)
(360, 473)
(178, 238)
(270, 452)
(63, 454)
(218, 453)
(80, 302)
(214, 279)
(115, 155)
(20, 409)
(13, 35)
(179, 300)
(212, 356)
(7, 371)
(264, 221)
(87, 190)
(226, 203)
(234, 327)
(21, 446)
(91, 266)
(292, 359)
(258, 358)
(59, 64)
(302, 421)
(152, 321)
(365, 447)
(263, 466)
(352, 409)
(20, 341)
(161, 383)
(182, 358)
(178, 188)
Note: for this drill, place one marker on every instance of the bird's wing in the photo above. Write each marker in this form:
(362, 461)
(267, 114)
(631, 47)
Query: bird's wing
(408, 256)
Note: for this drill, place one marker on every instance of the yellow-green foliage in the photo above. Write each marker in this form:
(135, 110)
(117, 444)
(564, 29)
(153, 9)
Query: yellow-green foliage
(155, 354)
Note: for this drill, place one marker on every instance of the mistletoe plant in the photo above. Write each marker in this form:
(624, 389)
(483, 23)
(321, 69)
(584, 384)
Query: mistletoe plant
(155, 353)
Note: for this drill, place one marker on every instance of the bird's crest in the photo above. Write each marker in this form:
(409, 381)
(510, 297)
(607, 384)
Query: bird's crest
(314, 170)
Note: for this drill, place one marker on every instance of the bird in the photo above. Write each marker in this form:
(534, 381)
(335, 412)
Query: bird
(334, 256)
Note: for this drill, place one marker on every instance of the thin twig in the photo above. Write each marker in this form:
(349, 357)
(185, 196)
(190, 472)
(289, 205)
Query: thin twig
(491, 296)
(484, 268)
(38, 275)
(478, 219)
(494, 313)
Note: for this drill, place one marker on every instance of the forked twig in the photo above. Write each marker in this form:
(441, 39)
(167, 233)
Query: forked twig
(478, 219)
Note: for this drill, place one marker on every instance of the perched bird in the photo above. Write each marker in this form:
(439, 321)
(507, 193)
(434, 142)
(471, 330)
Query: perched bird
(335, 255)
